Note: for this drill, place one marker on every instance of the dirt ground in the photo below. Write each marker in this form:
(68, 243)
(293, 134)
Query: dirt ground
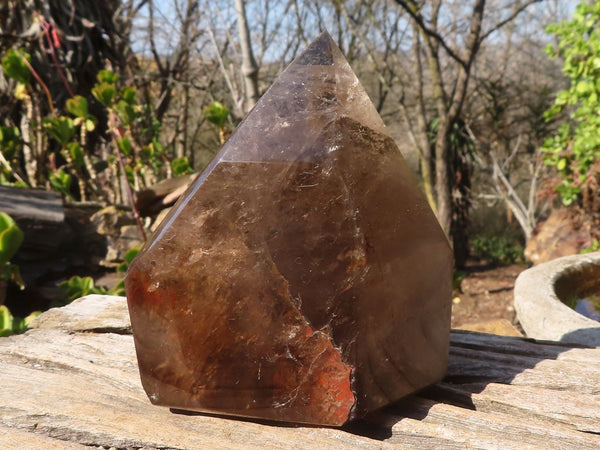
(486, 297)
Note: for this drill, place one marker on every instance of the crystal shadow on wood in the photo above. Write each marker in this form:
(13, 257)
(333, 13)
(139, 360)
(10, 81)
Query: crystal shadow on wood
(302, 277)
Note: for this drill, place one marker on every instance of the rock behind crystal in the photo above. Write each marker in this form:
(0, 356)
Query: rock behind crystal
(303, 276)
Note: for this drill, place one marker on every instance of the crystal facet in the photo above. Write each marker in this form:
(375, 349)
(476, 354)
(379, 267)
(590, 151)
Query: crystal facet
(302, 277)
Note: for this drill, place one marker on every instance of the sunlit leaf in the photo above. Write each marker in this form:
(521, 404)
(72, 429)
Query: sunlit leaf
(6, 221)
(15, 67)
(10, 241)
(6, 321)
(21, 91)
(78, 106)
(124, 145)
(61, 182)
(107, 76)
(76, 153)
(104, 93)
(129, 95)
(181, 166)
(61, 128)
(216, 114)
(90, 125)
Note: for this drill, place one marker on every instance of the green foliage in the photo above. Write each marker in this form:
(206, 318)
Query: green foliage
(594, 247)
(130, 132)
(76, 287)
(497, 250)
(14, 66)
(119, 289)
(108, 77)
(75, 153)
(10, 146)
(10, 325)
(216, 114)
(61, 182)
(575, 148)
(11, 238)
(181, 166)
(126, 108)
(457, 278)
(6, 321)
(125, 146)
(460, 141)
(10, 141)
(126, 112)
(61, 128)
(70, 133)
(129, 257)
(104, 93)
(123, 105)
(78, 106)
(122, 102)
(129, 95)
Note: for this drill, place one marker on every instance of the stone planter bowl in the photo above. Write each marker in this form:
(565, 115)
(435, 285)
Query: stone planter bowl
(538, 293)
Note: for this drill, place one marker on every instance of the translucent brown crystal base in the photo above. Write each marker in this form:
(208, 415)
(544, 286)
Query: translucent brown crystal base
(303, 277)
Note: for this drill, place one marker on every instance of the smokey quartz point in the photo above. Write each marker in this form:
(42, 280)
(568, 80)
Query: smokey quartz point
(302, 277)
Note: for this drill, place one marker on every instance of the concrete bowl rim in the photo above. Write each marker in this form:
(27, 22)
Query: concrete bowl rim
(540, 311)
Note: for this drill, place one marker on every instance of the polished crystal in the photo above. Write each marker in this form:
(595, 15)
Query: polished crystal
(303, 276)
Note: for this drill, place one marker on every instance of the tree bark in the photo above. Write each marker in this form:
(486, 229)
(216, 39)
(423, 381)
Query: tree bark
(442, 175)
(425, 157)
(249, 66)
(449, 107)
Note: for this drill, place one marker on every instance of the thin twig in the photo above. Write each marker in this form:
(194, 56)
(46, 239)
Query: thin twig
(518, 10)
(6, 164)
(47, 27)
(39, 80)
(114, 129)
(413, 10)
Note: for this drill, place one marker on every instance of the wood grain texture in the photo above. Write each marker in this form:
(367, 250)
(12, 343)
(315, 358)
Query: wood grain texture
(66, 387)
(39, 214)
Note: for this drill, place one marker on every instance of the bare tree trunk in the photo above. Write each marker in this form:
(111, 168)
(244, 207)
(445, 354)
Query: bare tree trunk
(442, 175)
(249, 66)
(425, 157)
(186, 119)
(448, 107)
(452, 197)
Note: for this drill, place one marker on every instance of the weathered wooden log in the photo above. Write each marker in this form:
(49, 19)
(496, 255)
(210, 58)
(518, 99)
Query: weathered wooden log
(40, 214)
(72, 381)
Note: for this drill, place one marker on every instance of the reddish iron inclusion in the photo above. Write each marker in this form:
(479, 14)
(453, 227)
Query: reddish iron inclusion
(303, 276)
